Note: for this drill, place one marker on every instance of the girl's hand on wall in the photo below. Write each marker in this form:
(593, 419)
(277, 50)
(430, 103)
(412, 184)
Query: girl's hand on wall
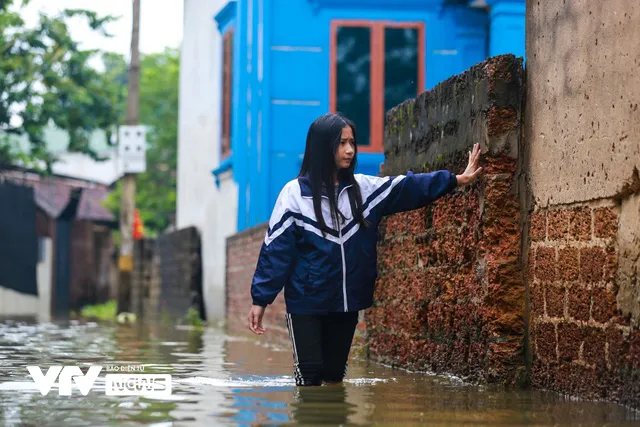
(255, 319)
(472, 171)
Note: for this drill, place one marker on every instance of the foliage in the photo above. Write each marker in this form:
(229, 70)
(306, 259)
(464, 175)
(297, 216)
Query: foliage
(192, 318)
(106, 311)
(155, 188)
(47, 78)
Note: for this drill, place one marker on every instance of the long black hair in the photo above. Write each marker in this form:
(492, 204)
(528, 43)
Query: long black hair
(319, 164)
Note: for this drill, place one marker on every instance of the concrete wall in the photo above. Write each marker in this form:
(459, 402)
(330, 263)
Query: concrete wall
(167, 275)
(14, 303)
(44, 280)
(449, 295)
(583, 134)
(200, 203)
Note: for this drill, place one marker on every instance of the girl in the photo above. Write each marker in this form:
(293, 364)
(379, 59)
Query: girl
(321, 245)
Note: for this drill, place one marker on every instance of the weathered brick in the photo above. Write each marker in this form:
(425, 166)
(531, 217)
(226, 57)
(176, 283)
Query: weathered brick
(396, 224)
(634, 348)
(410, 252)
(471, 288)
(417, 222)
(594, 345)
(384, 286)
(558, 227)
(545, 339)
(603, 305)
(545, 264)
(555, 300)
(477, 357)
(579, 303)
(465, 320)
(537, 299)
(618, 347)
(569, 340)
(459, 357)
(573, 378)
(592, 262)
(501, 120)
(580, 223)
(437, 318)
(568, 263)
(420, 287)
(531, 265)
(538, 230)
(390, 255)
(447, 213)
(464, 256)
(605, 222)
(611, 263)
(540, 374)
(448, 290)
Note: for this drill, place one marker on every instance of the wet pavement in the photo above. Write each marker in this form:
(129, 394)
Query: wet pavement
(219, 378)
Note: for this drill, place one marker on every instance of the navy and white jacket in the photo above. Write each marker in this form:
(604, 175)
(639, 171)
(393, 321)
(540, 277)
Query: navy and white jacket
(336, 272)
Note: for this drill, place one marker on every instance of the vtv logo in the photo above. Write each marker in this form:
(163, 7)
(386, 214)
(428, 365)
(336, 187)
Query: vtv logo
(66, 373)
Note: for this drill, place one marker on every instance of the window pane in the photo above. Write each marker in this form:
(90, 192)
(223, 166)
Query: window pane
(400, 66)
(353, 72)
(229, 70)
(227, 83)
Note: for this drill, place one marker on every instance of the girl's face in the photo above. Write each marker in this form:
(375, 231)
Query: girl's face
(346, 149)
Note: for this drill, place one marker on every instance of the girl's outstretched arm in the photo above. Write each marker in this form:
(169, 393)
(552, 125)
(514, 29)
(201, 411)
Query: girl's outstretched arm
(277, 256)
(415, 190)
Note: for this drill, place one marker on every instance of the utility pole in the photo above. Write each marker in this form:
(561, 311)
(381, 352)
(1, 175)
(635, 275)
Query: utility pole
(128, 198)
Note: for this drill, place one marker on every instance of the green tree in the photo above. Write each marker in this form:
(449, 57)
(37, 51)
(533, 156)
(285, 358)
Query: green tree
(155, 188)
(47, 78)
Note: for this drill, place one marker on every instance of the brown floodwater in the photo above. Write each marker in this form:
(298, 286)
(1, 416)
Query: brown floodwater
(218, 378)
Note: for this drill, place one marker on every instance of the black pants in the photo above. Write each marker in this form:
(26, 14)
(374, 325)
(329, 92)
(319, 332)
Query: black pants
(321, 346)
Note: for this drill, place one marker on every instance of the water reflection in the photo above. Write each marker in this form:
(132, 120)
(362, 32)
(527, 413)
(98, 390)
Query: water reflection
(222, 378)
(328, 404)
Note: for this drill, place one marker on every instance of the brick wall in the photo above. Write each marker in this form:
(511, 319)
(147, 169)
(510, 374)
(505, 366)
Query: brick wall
(582, 342)
(583, 158)
(450, 295)
(243, 250)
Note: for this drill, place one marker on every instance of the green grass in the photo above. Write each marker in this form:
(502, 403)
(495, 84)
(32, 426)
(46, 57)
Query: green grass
(106, 311)
(192, 318)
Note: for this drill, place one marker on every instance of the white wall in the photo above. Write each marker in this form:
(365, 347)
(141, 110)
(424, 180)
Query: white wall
(14, 303)
(78, 165)
(200, 203)
(44, 281)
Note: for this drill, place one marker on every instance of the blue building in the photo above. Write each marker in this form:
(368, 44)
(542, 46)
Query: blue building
(286, 62)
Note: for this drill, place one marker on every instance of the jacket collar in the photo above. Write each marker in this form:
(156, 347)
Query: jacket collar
(305, 187)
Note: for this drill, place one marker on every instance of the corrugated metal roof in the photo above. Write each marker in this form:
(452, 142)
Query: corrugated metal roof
(52, 194)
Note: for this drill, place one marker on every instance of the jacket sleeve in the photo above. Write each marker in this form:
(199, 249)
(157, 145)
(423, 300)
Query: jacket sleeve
(413, 191)
(277, 254)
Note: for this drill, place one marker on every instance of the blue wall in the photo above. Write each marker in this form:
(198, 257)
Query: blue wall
(507, 27)
(281, 79)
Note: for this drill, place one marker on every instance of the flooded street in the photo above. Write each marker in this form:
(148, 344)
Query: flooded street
(222, 379)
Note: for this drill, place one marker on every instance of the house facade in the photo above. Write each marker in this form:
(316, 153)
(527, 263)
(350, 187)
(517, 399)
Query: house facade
(256, 73)
(57, 252)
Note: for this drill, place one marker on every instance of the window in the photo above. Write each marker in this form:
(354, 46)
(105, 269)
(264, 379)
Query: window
(375, 66)
(227, 86)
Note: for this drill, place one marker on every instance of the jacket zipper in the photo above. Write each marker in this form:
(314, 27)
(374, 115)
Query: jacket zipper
(344, 260)
(344, 270)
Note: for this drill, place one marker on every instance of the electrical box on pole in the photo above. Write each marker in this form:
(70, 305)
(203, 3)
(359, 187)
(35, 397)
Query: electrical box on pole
(132, 149)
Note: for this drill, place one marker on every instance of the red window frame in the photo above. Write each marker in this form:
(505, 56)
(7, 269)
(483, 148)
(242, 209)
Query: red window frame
(227, 85)
(377, 72)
